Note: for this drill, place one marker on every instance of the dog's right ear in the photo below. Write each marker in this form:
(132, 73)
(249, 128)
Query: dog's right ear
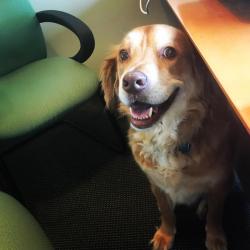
(109, 79)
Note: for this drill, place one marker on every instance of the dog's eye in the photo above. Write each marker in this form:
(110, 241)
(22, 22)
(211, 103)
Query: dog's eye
(124, 55)
(169, 52)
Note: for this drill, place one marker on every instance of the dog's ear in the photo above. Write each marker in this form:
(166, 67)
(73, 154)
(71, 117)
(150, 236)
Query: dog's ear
(109, 79)
(203, 76)
(200, 71)
(197, 64)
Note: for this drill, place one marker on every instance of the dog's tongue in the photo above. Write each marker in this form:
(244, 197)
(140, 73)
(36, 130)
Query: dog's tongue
(141, 111)
(143, 115)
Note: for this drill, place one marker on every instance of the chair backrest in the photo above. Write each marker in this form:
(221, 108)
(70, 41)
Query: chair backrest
(21, 38)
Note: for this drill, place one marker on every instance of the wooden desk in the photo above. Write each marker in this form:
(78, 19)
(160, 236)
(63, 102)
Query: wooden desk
(220, 29)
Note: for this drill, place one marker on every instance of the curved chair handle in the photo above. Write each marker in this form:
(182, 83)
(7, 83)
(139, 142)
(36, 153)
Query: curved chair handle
(82, 31)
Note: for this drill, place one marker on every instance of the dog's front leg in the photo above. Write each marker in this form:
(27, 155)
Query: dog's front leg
(164, 236)
(215, 236)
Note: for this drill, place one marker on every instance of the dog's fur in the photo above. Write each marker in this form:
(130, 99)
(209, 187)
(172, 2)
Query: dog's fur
(198, 115)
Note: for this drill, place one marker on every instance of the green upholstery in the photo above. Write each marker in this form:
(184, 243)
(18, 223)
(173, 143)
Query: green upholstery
(37, 92)
(21, 38)
(18, 229)
(35, 89)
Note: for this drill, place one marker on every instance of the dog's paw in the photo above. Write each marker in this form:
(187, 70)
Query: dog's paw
(216, 242)
(162, 240)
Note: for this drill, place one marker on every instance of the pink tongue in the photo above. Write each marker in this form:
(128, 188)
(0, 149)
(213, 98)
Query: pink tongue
(140, 113)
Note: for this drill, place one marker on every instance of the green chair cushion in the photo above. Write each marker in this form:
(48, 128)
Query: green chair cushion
(38, 92)
(18, 229)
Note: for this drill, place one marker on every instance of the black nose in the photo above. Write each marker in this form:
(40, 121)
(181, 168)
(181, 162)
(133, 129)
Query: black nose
(134, 82)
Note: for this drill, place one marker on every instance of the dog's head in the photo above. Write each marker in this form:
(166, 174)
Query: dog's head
(150, 74)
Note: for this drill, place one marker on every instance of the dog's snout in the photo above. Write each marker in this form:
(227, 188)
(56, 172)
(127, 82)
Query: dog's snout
(134, 82)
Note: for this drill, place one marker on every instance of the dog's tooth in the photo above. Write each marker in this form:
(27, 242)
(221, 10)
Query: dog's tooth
(130, 110)
(150, 112)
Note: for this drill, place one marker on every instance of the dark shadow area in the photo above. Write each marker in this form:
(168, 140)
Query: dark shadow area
(173, 20)
(239, 8)
(237, 219)
(191, 230)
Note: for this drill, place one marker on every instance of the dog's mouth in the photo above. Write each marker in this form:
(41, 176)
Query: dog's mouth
(144, 115)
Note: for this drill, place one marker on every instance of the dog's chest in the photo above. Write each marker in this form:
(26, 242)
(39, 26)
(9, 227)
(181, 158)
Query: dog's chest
(158, 152)
(168, 168)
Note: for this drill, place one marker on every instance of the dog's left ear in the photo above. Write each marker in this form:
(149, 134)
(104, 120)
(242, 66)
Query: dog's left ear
(197, 63)
(109, 78)
(202, 75)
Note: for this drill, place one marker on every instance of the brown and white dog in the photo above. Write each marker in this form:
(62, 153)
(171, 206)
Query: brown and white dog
(180, 126)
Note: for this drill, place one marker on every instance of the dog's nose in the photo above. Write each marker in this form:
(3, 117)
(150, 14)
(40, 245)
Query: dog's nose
(134, 82)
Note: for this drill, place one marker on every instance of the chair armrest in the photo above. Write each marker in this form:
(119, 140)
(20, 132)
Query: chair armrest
(82, 31)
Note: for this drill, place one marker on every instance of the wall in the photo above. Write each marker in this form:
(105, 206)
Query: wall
(108, 19)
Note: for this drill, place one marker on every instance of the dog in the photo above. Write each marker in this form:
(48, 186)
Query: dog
(180, 125)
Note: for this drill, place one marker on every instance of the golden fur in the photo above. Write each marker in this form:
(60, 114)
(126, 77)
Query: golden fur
(198, 115)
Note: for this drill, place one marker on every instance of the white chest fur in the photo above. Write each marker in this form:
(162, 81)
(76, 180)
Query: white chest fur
(170, 167)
